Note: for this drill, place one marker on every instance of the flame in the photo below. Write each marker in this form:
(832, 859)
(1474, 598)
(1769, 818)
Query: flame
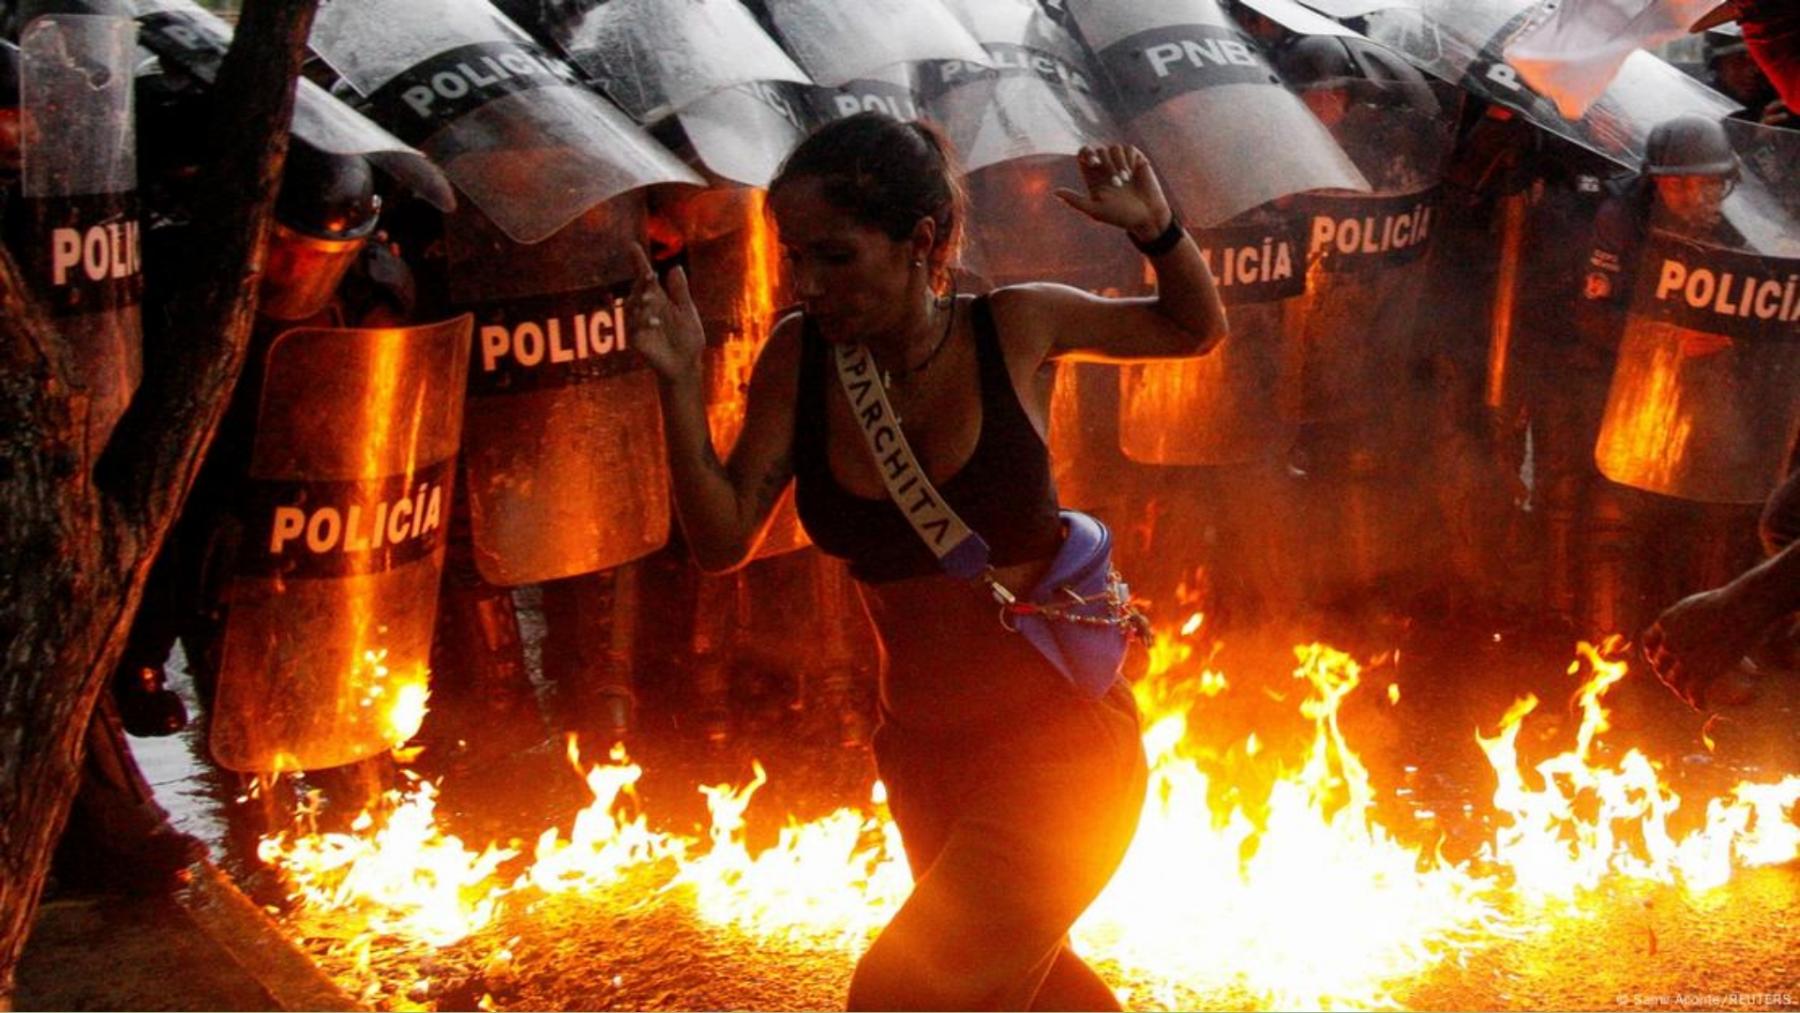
(754, 311)
(1587, 821)
(1256, 868)
(1291, 892)
(405, 877)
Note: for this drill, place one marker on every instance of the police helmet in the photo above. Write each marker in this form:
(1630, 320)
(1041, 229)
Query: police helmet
(327, 196)
(1317, 59)
(1689, 146)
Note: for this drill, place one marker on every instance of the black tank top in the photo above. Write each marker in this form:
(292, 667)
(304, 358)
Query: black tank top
(1004, 492)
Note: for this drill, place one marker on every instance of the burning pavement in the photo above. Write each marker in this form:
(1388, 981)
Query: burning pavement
(1450, 825)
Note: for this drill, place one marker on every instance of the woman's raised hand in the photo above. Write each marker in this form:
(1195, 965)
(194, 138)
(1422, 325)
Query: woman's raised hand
(665, 326)
(1122, 190)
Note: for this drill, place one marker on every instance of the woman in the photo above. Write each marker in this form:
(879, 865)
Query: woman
(1016, 796)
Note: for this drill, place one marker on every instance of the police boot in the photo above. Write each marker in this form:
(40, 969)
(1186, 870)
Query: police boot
(1606, 546)
(483, 704)
(589, 625)
(716, 622)
(1562, 576)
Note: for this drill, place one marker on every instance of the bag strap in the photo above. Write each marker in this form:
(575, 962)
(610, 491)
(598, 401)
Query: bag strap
(959, 550)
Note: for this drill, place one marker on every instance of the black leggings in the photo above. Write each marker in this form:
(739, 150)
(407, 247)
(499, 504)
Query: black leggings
(1011, 830)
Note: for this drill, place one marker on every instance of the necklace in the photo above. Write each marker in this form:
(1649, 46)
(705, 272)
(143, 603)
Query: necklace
(888, 379)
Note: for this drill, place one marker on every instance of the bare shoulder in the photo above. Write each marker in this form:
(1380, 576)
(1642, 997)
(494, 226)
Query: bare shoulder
(779, 361)
(1030, 315)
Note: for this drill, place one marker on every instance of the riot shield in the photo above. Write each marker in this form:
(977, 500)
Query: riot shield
(1704, 402)
(1038, 96)
(1224, 407)
(1061, 244)
(735, 274)
(330, 611)
(893, 90)
(1207, 107)
(709, 67)
(195, 39)
(840, 41)
(509, 122)
(1366, 253)
(76, 234)
(563, 451)
(1463, 42)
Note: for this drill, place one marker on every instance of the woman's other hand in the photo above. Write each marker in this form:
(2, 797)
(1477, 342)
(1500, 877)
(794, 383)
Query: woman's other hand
(665, 325)
(1122, 190)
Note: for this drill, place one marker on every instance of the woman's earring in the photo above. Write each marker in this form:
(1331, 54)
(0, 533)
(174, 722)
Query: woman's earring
(918, 261)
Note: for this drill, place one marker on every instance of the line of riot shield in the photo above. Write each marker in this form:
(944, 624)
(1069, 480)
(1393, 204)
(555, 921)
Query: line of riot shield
(735, 275)
(840, 41)
(1366, 252)
(1205, 104)
(76, 232)
(330, 611)
(1463, 42)
(708, 68)
(1225, 407)
(891, 90)
(1016, 122)
(857, 58)
(511, 124)
(563, 450)
(185, 35)
(1703, 403)
(1035, 94)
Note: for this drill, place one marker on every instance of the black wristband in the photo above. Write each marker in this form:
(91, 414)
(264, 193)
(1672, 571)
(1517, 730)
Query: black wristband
(1165, 241)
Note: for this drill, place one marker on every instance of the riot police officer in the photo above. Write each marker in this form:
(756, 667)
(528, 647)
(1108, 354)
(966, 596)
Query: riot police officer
(1689, 169)
(319, 268)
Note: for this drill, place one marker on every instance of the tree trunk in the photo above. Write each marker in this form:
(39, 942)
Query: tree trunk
(77, 536)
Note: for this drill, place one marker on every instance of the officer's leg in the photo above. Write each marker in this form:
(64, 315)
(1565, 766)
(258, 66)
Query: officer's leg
(590, 624)
(481, 694)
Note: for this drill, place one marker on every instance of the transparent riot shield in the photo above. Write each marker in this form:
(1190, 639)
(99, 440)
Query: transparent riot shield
(563, 450)
(1463, 42)
(840, 41)
(330, 611)
(1038, 95)
(1060, 244)
(1225, 407)
(76, 231)
(1205, 104)
(195, 39)
(509, 123)
(1705, 395)
(1366, 252)
(892, 90)
(734, 269)
(709, 67)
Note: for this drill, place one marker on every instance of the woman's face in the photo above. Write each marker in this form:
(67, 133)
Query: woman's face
(855, 283)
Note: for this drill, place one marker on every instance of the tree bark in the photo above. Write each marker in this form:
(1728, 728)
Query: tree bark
(77, 536)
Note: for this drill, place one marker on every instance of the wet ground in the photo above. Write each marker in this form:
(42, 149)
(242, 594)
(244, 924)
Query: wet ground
(1633, 946)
